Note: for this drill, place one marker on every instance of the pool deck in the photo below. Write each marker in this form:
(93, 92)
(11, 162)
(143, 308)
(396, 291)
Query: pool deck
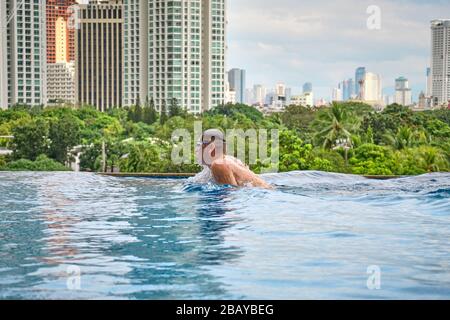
(187, 175)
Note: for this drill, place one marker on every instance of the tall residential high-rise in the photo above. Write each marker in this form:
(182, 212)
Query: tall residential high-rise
(307, 87)
(371, 91)
(440, 62)
(60, 52)
(98, 57)
(359, 80)
(403, 95)
(135, 51)
(236, 79)
(25, 46)
(60, 38)
(259, 94)
(175, 49)
(3, 58)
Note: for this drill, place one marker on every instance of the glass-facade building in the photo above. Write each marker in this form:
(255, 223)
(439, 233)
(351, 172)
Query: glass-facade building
(360, 75)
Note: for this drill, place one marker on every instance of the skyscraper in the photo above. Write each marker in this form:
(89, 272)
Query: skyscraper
(348, 89)
(288, 95)
(236, 78)
(307, 87)
(359, 79)
(3, 58)
(259, 94)
(23, 52)
(440, 61)
(175, 49)
(336, 95)
(98, 71)
(60, 38)
(403, 95)
(60, 52)
(371, 91)
(135, 54)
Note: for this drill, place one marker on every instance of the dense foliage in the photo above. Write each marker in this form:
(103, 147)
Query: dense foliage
(346, 137)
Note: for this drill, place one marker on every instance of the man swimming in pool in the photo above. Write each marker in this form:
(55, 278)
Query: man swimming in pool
(226, 169)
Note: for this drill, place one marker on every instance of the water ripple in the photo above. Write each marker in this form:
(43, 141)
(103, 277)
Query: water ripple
(313, 236)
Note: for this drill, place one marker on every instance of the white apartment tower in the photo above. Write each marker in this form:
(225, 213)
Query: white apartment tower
(22, 52)
(135, 51)
(175, 50)
(3, 58)
(440, 62)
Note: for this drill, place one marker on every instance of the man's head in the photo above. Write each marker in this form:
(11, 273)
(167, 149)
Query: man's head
(213, 146)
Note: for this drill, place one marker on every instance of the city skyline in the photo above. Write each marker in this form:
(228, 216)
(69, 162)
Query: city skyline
(408, 53)
(311, 42)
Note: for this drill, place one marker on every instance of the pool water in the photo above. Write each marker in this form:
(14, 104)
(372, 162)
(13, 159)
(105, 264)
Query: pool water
(316, 235)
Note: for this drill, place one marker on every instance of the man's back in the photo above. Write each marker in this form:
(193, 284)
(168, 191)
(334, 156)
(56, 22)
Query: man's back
(231, 171)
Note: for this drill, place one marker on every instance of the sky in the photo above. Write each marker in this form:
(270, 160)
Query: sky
(324, 41)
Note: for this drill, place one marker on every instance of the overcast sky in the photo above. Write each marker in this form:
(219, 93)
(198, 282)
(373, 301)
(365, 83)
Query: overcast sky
(295, 41)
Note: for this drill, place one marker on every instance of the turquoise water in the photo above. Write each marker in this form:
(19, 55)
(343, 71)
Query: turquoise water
(80, 235)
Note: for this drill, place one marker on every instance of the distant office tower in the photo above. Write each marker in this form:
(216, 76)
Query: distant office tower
(230, 95)
(428, 92)
(440, 61)
(359, 79)
(307, 87)
(236, 78)
(23, 63)
(3, 58)
(371, 91)
(60, 38)
(280, 89)
(403, 95)
(259, 94)
(288, 96)
(98, 71)
(280, 92)
(175, 49)
(337, 94)
(348, 89)
(248, 96)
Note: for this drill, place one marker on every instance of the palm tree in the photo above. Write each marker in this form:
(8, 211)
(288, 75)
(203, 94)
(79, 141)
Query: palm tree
(431, 159)
(335, 125)
(404, 138)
